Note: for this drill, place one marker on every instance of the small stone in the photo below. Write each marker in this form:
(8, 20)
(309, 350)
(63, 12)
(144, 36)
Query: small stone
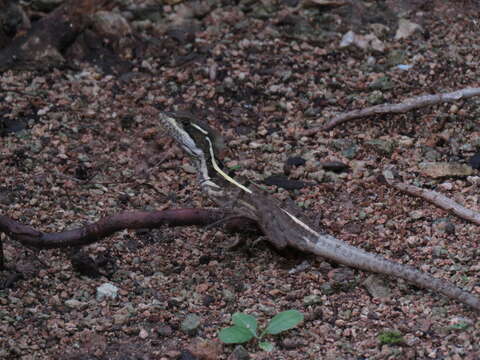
(312, 299)
(417, 214)
(350, 152)
(317, 176)
(444, 226)
(473, 180)
(74, 304)
(444, 169)
(447, 186)
(164, 330)
(406, 29)
(284, 182)
(382, 146)
(382, 83)
(45, 5)
(296, 161)
(291, 343)
(268, 310)
(376, 287)
(187, 355)
(239, 353)
(191, 324)
(376, 97)
(107, 23)
(475, 161)
(228, 295)
(143, 334)
(327, 289)
(432, 155)
(120, 319)
(335, 166)
(107, 290)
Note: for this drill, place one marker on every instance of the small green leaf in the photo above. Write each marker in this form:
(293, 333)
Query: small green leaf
(284, 321)
(235, 167)
(266, 346)
(235, 335)
(390, 337)
(246, 321)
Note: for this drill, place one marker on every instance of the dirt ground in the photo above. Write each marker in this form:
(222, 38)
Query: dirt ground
(78, 143)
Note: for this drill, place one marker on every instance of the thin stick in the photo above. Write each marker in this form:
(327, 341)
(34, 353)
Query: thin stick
(407, 105)
(435, 198)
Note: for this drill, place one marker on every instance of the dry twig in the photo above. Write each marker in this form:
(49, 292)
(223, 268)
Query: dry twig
(407, 105)
(435, 198)
(93, 232)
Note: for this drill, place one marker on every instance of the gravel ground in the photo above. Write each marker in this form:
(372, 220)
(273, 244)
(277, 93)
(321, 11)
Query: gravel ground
(79, 144)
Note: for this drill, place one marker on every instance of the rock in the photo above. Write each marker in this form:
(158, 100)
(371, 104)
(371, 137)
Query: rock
(342, 275)
(312, 299)
(291, 343)
(107, 290)
(267, 310)
(164, 330)
(444, 226)
(432, 155)
(187, 355)
(205, 349)
(364, 42)
(396, 57)
(239, 353)
(45, 5)
(350, 152)
(417, 214)
(475, 161)
(376, 97)
(74, 304)
(473, 180)
(143, 334)
(376, 287)
(335, 166)
(296, 161)
(13, 20)
(284, 182)
(444, 169)
(406, 29)
(326, 4)
(382, 146)
(327, 288)
(317, 176)
(228, 295)
(382, 83)
(121, 318)
(110, 24)
(191, 324)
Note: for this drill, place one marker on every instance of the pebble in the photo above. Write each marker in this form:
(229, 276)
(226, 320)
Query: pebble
(107, 290)
(74, 304)
(191, 324)
(376, 287)
(239, 353)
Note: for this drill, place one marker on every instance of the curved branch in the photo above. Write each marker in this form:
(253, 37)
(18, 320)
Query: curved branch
(106, 226)
(403, 107)
(435, 198)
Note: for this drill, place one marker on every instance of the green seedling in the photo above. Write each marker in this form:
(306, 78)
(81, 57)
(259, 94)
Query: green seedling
(390, 337)
(235, 167)
(245, 328)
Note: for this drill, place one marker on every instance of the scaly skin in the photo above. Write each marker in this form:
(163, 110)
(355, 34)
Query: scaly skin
(285, 229)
